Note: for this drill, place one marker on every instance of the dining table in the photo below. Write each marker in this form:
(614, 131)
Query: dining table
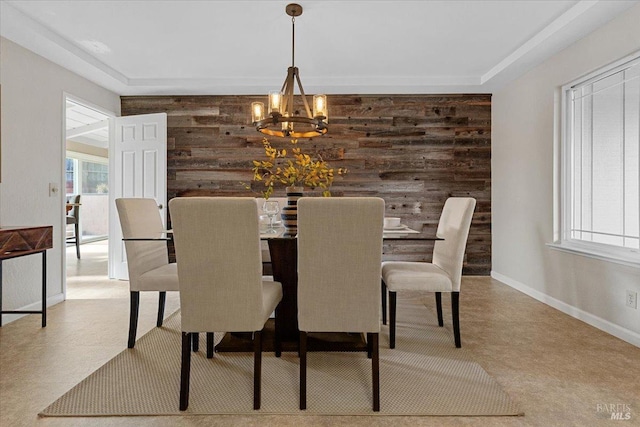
(283, 250)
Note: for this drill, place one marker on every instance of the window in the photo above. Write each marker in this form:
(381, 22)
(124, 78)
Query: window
(71, 183)
(88, 175)
(95, 178)
(600, 189)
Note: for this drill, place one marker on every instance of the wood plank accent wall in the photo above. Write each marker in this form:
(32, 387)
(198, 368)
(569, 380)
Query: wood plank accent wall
(414, 151)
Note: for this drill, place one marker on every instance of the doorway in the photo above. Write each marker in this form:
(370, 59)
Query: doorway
(86, 176)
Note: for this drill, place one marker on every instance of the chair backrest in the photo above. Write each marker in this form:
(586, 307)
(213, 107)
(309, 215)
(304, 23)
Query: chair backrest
(455, 221)
(140, 218)
(339, 256)
(75, 211)
(217, 243)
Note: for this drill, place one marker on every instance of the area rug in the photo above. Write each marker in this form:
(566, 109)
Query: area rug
(424, 375)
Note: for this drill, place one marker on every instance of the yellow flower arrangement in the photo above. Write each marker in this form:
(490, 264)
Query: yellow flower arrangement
(301, 170)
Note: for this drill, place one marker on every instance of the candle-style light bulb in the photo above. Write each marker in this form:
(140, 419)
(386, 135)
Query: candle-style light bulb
(320, 106)
(275, 102)
(257, 111)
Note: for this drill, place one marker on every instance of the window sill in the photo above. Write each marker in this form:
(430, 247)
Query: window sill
(629, 260)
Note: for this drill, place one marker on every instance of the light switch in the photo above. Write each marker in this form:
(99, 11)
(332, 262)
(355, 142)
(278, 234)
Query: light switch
(53, 189)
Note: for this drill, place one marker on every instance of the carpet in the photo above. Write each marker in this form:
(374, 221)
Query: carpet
(424, 375)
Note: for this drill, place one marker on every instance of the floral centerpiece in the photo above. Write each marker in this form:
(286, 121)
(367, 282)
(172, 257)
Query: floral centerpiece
(300, 170)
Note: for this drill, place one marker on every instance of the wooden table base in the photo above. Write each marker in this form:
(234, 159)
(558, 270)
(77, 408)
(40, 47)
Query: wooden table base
(334, 341)
(284, 262)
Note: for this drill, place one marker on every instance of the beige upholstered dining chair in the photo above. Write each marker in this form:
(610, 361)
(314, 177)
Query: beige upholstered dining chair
(443, 274)
(147, 261)
(339, 255)
(217, 242)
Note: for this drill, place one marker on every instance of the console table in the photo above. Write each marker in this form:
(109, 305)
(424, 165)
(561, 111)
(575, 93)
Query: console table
(22, 241)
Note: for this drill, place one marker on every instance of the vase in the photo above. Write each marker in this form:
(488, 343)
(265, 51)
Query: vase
(290, 211)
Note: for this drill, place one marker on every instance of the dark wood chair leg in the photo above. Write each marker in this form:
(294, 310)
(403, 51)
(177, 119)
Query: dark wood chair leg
(185, 370)
(195, 341)
(303, 370)
(210, 349)
(257, 368)
(369, 346)
(161, 301)
(77, 230)
(133, 317)
(277, 336)
(439, 308)
(455, 311)
(375, 369)
(392, 320)
(383, 288)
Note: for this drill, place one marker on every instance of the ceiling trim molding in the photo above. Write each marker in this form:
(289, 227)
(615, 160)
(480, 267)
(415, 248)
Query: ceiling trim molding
(33, 35)
(558, 24)
(314, 81)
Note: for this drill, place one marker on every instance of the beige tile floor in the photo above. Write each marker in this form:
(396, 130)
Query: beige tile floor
(557, 368)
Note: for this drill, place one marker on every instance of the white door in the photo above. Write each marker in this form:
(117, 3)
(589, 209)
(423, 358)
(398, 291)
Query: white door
(138, 150)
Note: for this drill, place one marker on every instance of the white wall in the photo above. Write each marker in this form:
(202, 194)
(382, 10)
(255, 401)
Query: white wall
(32, 157)
(525, 129)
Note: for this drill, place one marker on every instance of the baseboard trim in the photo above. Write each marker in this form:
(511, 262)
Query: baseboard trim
(52, 300)
(591, 319)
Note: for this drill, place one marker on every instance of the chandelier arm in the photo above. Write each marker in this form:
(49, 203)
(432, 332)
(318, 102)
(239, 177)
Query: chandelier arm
(287, 92)
(291, 90)
(304, 97)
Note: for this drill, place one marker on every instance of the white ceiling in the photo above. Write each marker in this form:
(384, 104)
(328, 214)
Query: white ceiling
(86, 125)
(244, 47)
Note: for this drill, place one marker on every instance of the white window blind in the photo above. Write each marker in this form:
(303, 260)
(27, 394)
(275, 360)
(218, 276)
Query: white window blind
(601, 192)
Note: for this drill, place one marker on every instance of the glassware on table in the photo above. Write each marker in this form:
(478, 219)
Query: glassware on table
(271, 209)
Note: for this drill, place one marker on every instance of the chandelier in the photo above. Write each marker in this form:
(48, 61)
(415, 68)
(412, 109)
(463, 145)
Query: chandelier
(281, 118)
